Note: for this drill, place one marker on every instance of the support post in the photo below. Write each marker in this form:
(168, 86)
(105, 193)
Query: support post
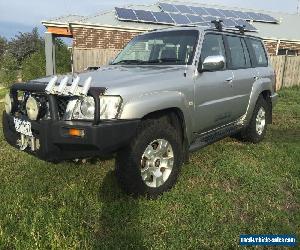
(50, 54)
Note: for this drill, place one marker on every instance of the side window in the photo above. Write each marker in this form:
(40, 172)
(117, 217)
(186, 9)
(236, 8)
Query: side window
(259, 53)
(213, 45)
(237, 53)
(246, 53)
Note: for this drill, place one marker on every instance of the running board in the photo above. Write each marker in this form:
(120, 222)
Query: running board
(208, 138)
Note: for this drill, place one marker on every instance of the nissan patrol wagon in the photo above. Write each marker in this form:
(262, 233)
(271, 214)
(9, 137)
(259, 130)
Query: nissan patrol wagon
(169, 92)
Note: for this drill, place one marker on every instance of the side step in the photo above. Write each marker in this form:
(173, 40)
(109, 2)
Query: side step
(214, 136)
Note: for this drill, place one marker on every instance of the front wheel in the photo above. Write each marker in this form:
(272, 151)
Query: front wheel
(151, 164)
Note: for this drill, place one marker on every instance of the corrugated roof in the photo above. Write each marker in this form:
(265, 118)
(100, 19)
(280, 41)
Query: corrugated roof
(285, 30)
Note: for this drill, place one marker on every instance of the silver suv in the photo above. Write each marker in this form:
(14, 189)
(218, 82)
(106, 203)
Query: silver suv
(169, 92)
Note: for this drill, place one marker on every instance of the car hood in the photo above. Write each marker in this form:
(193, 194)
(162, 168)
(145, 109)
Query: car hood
(120, 76)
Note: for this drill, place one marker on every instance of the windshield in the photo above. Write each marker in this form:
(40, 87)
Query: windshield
(171, 47)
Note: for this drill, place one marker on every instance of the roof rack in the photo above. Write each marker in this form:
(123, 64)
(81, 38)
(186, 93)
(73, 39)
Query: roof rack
(218, 24)
(241, 29)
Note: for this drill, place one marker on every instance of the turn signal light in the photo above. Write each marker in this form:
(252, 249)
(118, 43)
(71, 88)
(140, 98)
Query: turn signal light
(76, 132)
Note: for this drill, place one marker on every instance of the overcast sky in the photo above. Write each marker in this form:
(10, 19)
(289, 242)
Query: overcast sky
(22, 15)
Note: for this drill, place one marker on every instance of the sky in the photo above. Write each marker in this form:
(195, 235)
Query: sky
(23, 15)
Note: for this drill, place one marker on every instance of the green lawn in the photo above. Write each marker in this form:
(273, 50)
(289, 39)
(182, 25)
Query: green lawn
(228, 188)
(3, 92)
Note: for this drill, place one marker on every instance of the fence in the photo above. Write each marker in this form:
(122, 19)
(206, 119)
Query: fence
(287, 67)
(84, 58)
(287, 70)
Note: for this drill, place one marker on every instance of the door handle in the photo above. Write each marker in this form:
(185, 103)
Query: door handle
(229, 80)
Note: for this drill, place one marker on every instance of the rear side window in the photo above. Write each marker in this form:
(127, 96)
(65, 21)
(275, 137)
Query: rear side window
(259, 53)
(213, 45)
(238, 51)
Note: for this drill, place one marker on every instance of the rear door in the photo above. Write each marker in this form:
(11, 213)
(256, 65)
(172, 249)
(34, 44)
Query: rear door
(244, 75)
(264, 72)
(213, 90)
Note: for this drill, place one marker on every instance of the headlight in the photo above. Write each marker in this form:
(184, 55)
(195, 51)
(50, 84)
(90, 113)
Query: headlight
(32, 108)
(8, 104)
(109, 108)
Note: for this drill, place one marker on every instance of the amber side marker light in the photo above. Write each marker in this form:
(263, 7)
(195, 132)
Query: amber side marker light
(76, 132)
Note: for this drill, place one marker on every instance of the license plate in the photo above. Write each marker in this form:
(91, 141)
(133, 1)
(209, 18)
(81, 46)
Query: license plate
(23, 127)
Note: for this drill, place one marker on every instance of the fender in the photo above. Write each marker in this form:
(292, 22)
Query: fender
(258, 87)
(139, 107)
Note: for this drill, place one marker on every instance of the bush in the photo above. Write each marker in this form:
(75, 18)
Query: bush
(34, 66)
(8, 70)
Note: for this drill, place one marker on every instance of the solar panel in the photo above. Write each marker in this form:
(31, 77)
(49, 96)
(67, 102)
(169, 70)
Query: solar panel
(162, 17)
(240, 14)
(180, 19)
(229, 23)
(145, 16)
(195, 18)
(168, 7)
(247, 25)
(213, 12)
(222, 14)
(184, 9)
(209, 18)
(200, 11)
(267, 18)
(125, 14)
(253, 15)
(229, 14)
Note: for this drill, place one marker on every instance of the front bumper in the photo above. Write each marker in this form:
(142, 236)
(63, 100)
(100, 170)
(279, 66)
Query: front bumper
(57, 145)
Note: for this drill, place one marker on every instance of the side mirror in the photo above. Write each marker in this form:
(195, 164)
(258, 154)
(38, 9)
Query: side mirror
(212, 63)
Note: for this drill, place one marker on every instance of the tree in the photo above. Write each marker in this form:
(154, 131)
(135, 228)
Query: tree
(25, 44)
(3, 45)
(8, 70)
(63, 57)
(34, 66)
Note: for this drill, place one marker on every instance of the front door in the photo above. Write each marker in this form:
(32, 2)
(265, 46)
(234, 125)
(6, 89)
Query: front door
(213, 90)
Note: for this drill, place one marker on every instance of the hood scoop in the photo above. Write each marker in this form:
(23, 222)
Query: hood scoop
(63, 89)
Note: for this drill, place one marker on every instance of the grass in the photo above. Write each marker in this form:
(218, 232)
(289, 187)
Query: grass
(227, 189)
(3, 92)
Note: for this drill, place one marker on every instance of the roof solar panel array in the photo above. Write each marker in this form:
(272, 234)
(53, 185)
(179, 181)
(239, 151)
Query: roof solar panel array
(221, 13)
(177, 18)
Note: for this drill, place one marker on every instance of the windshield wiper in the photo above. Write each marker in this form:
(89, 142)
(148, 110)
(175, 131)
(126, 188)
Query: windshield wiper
(164, 60)
(129, 62)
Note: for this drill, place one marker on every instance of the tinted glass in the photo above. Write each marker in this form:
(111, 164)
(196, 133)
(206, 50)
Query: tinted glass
(236, 52)
(259, 52)
(246, 54)
(213, 45)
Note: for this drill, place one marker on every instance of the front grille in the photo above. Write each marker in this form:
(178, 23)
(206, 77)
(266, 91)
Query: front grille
(62, 103)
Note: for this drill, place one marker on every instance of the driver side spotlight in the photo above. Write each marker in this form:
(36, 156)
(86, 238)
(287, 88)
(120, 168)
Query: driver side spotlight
(32, 108)
(8, 103)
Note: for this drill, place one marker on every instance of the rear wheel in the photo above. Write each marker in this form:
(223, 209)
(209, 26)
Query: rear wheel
(151, 164)
(257, 128)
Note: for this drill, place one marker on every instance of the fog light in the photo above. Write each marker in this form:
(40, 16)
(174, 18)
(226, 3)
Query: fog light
(32, 108)
(8, 104)
(76, 132)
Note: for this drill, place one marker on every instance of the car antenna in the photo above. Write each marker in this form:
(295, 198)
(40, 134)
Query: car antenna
(218, 24)
(241, 28)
